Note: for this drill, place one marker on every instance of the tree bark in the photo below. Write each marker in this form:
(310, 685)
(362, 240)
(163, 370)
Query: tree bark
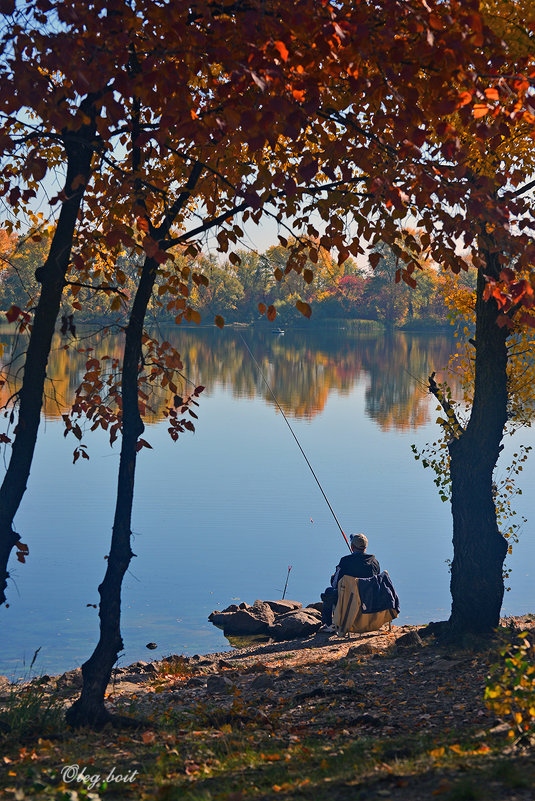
(479, 548)
(79, 146)
(89, 709)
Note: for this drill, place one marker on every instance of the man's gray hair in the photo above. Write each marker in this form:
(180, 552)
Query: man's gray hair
(359, 542)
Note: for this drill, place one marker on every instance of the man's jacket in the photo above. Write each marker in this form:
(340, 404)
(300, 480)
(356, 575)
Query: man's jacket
(358, 565)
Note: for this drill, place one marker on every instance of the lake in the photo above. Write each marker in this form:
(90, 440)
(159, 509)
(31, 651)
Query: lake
(221, 514)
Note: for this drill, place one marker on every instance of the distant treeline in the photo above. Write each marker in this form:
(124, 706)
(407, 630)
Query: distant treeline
(235, 290)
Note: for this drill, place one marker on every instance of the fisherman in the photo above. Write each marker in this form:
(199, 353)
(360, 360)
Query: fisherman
(358, 564)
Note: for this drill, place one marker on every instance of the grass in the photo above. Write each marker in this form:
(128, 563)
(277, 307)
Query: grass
(29, 711)
(233, 756)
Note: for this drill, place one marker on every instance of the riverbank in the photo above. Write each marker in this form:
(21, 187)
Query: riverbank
(375, 716)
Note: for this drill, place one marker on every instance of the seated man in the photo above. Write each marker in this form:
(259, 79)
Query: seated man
(358, 564)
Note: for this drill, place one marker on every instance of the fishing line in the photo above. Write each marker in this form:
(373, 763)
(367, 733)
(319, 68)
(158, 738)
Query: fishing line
(295, 437)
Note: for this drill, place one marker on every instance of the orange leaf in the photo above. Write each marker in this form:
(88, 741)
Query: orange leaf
(271, 313)
(492, 94)
(219, 321)
(283, 50)
(148, 737)
(262, 308)
(465, 98)
(479, 110)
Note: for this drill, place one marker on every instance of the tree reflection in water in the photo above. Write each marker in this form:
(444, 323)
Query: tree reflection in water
(302, 368)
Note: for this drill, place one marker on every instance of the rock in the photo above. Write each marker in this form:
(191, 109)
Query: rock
(263, 611)
(135, 667)
(231, 608)
(219, 618)
(363, 649)
(218, 684)
(300, 623)
(257, 667)
(151, 646)
(318, 605)
(257, 619)
(289, 673)
(243, 606)
(263, 682)
(279, 607)
(72, 680)
(409, 640)
(196, 681)
(443, 665)
(135, 678)
(224, 663)
(313, 611)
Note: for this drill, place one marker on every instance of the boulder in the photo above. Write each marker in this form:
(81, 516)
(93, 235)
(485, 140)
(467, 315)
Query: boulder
(279, 607)
(317, 605)
(72, 680)
(195, 681)
(313, 611)
(263, 682)
(363, 649)
(300, 623)
(409, 640)
(220, 618)
(256, 619)
(218, 684)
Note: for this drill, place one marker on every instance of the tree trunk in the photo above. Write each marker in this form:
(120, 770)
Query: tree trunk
(79, 150)
(89, 709)
(479, 549)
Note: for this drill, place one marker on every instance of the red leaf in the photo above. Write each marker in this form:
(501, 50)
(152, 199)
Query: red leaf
(304, 308)
(142, 443)
(12, 313)
(374, 259)
(271, 313)
(262, 308)
(219, 321)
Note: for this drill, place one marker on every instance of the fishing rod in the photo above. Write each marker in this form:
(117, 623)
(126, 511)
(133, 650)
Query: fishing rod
(295, 437)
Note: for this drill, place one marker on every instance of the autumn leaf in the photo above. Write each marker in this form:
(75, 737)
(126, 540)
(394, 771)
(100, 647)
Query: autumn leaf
(271, 313)
(304, 308)
(12, 313)
(219, 321)
(283, 50)
(479, 110)
(374, 259)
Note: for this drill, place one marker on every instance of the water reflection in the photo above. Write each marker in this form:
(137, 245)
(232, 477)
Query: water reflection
(303, 368)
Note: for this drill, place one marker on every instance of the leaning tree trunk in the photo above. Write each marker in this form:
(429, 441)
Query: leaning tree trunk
(89, 709)
(79, 149)
(479, 549)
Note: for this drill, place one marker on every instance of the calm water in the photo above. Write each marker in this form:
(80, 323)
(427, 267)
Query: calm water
(221, 514)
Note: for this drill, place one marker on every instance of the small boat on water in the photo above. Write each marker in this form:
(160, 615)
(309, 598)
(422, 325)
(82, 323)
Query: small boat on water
(279, 331)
